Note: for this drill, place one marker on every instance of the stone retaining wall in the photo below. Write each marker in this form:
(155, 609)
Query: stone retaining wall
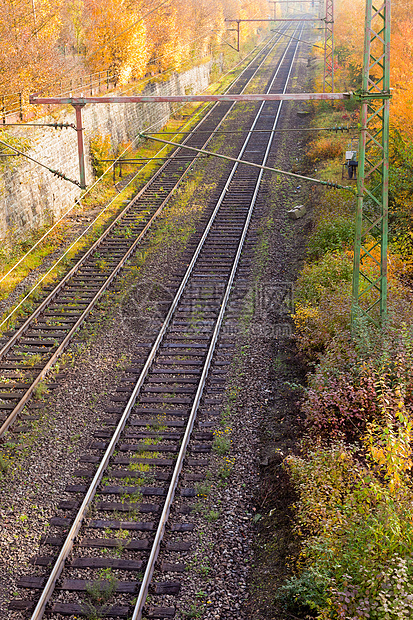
(30, 195)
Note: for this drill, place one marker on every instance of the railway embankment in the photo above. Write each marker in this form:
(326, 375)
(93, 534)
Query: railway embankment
(347, 542)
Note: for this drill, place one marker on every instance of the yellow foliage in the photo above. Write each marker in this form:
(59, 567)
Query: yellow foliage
(349, 34)
(390, 446)
(165, 39)
(44, 42)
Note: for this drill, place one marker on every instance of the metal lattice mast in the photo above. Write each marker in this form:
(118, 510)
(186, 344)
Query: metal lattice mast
(370, 251)
(328, 80)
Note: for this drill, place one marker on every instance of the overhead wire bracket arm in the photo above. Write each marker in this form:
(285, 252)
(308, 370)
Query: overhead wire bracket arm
(248, 163)
(57, 173)
(35, 125)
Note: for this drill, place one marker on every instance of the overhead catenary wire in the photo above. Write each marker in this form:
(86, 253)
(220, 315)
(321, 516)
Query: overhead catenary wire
(236, 131)
(6, 319)
(300, 40)
(78, 202)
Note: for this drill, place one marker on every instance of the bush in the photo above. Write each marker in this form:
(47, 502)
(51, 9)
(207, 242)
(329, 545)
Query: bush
(335, 234)
(340, 406)
(304, 594)
(326, 275)
(354, 375)
(100, 148)
(325, 148)
(322, 303)
(317, 326)
(358, 527)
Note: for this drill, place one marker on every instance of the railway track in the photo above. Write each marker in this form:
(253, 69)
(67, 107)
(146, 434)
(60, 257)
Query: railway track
(29, 352)
(121, 527)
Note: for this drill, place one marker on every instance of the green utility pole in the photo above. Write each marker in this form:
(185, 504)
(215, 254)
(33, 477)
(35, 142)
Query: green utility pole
(370, 248)
(328, 77)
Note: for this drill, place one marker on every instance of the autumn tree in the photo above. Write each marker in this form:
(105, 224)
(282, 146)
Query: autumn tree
(115, 37)
(29, 30)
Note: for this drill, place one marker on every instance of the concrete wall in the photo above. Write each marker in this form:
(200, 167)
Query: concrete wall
(30, 195)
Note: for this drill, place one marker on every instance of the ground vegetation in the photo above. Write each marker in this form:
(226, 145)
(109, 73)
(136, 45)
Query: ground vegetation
(352, 470)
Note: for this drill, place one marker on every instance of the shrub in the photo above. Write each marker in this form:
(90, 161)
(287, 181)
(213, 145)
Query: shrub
(323, 301)
(222, 441)
(331, 235)
(5, 463)
(326, 275)
(317, 325)
(329, 203)
(304, 594)
(324, 148)
(348, 386)
(340, 406)
(358, 527)
(100, 148)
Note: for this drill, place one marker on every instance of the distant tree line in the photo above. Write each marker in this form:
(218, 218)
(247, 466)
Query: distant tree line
(47, 40)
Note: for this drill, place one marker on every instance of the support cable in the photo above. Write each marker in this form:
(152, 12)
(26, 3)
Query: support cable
(300, 40)
(57, 173)
(78, 202)
(249, 163)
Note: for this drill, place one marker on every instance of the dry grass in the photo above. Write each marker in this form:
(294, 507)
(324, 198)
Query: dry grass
(325, 148)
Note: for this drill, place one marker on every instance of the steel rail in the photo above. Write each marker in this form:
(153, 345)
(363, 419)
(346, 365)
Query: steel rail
(257, 53)
(22, 403)
(13, 340)
(150, 567)
(49, 588)
(78, 520)
(23, 328)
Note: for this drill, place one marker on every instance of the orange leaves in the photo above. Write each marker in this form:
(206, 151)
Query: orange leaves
(116, 38)
(402, 77)
(44, 40)
(166, 39)
(29, 34)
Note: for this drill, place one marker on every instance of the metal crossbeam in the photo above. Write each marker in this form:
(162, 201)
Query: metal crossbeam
(370, 251)
(81, 101)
